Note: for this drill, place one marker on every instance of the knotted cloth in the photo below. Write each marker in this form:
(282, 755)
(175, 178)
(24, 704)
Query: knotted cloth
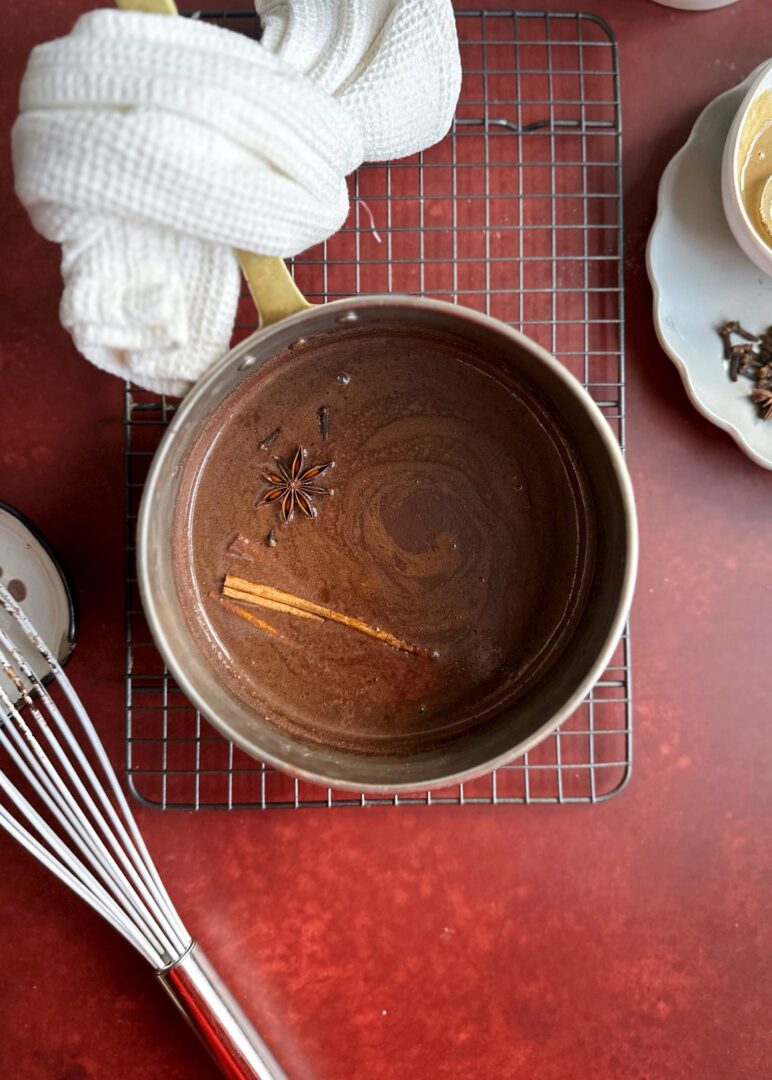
(150, 147)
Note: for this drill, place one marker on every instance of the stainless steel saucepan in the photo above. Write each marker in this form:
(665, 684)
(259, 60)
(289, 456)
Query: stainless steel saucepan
(286, 317)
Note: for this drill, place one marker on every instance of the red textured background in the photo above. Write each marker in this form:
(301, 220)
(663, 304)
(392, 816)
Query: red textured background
(629, 940)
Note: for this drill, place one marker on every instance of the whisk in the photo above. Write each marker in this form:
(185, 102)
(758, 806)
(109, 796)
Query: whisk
(78, 823)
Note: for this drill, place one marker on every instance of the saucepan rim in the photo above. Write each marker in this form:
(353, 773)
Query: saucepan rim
(147, 534)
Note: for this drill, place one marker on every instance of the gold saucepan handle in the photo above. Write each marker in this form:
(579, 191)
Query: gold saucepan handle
(272, 287)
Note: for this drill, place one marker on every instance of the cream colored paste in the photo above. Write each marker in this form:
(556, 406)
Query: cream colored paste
(755, 165)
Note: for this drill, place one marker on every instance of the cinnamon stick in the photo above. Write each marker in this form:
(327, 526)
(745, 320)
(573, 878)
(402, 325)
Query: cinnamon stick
(246, 615)
(250, 598)
(266, 595)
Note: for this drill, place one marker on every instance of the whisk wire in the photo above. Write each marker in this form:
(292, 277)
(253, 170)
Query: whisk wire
(74, 874)
(39, 773)
(137, 892)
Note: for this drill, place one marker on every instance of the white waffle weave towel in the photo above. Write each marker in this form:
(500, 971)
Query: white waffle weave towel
(149, 147)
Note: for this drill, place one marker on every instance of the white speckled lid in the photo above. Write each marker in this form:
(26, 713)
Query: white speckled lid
(32, 574)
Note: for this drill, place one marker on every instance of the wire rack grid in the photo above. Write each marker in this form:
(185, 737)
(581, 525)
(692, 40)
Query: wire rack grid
(517, 212)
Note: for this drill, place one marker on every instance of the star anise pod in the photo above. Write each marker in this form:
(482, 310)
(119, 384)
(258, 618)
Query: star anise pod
(292, 485)
(762, 397)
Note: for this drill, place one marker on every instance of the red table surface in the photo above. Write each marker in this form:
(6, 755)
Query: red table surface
(627, 940)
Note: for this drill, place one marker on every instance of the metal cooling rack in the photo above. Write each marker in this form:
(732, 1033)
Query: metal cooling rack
(518, 212)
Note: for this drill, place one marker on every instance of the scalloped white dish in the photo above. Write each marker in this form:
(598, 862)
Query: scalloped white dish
(701, 279)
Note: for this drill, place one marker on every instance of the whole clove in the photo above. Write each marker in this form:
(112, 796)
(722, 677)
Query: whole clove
(270, 439)
(741, 359)
(726, 332)
(323, 413)
(741, 332)
(752, 358)
(764, 376)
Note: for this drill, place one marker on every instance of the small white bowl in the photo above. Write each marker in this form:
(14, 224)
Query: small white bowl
(695, 5)
(740, 223)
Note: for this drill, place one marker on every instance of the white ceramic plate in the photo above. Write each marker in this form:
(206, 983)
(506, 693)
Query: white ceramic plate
(32, 574)
(701, 279)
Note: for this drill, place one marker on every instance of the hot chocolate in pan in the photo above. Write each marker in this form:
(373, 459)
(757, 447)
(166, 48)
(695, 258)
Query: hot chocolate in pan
(455, 516)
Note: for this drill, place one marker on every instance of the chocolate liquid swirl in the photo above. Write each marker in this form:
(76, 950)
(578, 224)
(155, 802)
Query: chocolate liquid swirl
(460, 521)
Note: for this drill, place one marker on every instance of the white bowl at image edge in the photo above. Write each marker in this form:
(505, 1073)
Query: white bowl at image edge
(736, 215)
(695, 5)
